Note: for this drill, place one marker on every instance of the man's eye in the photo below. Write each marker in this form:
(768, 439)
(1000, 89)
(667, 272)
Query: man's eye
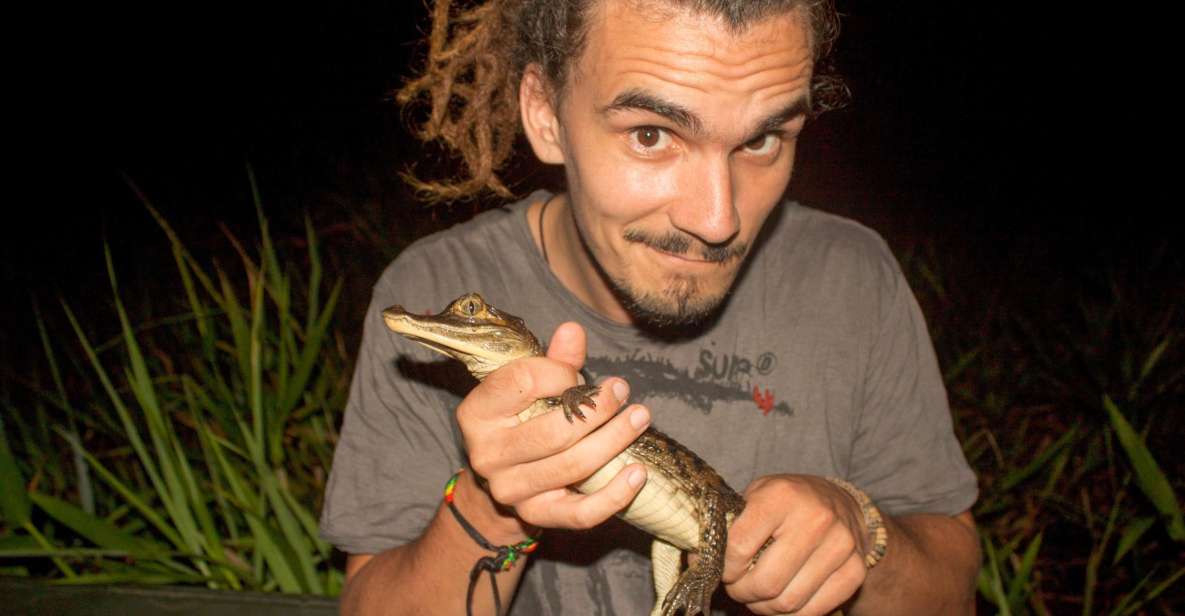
(764, 145)
(650, 138)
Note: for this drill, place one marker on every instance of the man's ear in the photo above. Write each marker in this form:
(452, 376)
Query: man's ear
(540, 121)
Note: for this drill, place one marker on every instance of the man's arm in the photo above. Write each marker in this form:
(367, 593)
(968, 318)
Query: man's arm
(929, 568)
(527, 468)
(815, 562)
(431, 574)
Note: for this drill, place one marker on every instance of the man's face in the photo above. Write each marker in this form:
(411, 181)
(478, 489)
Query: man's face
(678, 139)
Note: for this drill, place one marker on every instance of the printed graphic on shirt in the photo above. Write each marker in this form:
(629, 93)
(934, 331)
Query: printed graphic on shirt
(717, 377)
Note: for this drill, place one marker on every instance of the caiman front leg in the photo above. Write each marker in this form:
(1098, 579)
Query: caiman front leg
(569, 402)
(693, 592)
(576, 395)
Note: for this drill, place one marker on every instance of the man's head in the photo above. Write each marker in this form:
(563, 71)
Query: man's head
(675, 121)
(676, 129)
(477, 58)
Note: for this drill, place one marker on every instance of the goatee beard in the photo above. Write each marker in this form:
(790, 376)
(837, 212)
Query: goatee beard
(681, 308)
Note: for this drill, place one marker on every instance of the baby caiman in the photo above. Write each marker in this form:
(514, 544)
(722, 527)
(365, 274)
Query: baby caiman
(684, 504)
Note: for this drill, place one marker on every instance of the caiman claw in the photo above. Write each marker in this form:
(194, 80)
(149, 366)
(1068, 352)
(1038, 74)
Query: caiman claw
(693, 592)
(575, 396)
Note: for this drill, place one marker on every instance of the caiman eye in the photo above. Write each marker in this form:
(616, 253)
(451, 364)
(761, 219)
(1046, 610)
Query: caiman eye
(471, 307)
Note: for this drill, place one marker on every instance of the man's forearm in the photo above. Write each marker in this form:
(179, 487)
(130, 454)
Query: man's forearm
(929, 568)
(431, 575)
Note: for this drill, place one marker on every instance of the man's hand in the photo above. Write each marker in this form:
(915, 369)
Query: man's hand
(816, 559)
(528, 466)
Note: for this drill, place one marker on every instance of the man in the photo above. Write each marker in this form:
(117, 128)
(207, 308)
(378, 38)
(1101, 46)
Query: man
(779, 343)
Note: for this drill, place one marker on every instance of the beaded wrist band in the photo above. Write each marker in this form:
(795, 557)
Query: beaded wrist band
(504, 555)
(872, 519)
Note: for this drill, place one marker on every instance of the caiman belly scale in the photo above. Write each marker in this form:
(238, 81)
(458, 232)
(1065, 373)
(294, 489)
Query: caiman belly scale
(684, 504)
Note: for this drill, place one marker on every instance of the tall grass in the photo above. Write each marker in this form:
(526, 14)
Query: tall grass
(193, 447)
(1069, 405)
(208, 434)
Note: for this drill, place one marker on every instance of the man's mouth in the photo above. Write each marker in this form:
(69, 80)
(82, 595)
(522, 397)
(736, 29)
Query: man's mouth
(686, 249)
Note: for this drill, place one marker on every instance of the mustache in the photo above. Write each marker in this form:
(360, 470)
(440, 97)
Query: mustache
(684, 245)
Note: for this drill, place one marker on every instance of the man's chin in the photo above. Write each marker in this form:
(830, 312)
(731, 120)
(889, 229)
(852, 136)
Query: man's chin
(674, 312)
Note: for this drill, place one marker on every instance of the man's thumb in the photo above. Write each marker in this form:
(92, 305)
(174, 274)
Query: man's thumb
(568, 344)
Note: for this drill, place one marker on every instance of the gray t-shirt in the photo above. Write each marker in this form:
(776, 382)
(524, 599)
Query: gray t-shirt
(820, 364)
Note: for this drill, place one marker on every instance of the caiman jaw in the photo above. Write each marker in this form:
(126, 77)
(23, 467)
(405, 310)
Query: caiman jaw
(469, 330)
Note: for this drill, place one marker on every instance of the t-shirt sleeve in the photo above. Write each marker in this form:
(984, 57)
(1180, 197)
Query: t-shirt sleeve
(905, 454)
(398, 442)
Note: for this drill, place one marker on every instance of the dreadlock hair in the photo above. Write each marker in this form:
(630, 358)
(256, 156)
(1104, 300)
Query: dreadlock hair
(477, 55)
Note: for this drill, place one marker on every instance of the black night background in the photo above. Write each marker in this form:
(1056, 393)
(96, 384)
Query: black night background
(988, 143)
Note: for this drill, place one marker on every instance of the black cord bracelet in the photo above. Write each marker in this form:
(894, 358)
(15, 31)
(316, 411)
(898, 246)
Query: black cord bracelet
(505, 556)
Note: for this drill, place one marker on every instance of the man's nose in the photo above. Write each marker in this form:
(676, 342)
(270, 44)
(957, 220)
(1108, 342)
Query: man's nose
(707, 207)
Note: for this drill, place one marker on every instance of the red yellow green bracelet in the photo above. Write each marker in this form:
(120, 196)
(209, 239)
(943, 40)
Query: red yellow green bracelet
(505, 556)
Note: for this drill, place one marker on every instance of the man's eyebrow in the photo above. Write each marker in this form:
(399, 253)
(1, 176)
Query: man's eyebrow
(774, 121)
(641, 100)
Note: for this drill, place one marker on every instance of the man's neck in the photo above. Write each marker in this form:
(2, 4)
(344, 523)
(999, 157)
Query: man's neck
(570, 261)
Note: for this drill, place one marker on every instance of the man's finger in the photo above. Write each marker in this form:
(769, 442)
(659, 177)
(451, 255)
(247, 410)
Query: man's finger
(552, 433)
(834, 591)
(574, 464)
(582, 511)
(746, 537)
(515, 386)
(772, 573)
(835, 550)
(568, 344)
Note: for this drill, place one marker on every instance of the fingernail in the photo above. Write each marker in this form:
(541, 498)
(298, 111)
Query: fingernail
(639, 417)
(637, 476)
(621, 390)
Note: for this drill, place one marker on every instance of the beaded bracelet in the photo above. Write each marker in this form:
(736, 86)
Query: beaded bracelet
(503, 560)
(872, 519)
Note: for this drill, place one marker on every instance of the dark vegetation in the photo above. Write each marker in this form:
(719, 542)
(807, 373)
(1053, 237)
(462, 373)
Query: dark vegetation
(169, 396)
(183, 435)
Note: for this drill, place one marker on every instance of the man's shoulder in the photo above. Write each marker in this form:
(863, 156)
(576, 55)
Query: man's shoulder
(804, 233)
(474, 244)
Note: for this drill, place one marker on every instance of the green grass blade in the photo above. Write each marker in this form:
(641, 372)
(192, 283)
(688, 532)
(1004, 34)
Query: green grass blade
(960, 365)
(990, 579)
(1153, 359)
(199, 308)
(1017, 476)
(17, 543)
(1168, 583)
(125, 418)
(172, 492)
(95, 529)
(135, 501)
(86, 493)
(255, 372)
(309, 358)
(268, 550)
(1131, 536)
(314, 284)
(1149, 476)
(308, 523)
(58, 561)
(174, 239)
(14, 500)
(1095, 560)
(1021, 583)
(240, 331)
(291, 535)
(279, 558)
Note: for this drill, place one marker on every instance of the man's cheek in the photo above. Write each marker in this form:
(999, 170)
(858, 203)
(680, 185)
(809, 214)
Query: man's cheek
(639, 188)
